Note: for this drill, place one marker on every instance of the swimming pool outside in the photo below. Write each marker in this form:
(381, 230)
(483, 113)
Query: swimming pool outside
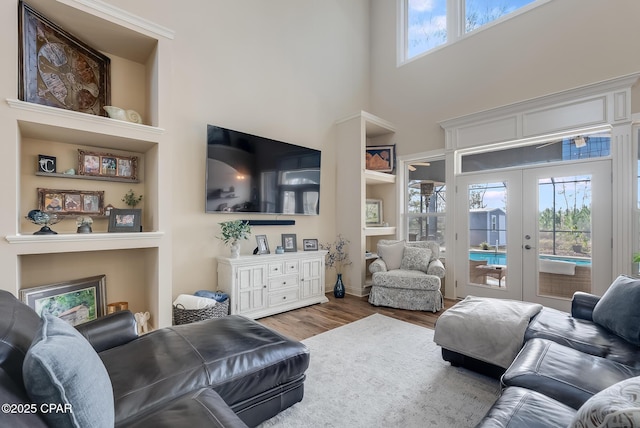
(500, 258)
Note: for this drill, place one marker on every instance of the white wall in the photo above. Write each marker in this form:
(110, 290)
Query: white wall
(284, 69)
(560, 45)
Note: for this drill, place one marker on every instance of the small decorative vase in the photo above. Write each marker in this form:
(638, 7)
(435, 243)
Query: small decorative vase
(85, 228)
(338, 289)
(235, 249)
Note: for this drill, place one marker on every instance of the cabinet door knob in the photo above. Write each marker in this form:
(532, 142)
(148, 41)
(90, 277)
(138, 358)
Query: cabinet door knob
(284, 282)
(284, 297)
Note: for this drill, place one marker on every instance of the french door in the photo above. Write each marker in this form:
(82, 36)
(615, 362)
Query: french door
(536, 234)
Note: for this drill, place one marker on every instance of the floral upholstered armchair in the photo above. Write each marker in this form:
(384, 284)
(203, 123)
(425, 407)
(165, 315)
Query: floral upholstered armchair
(407, 275)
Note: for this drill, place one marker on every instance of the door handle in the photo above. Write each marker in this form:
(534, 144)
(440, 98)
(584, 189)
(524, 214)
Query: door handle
(528, 247)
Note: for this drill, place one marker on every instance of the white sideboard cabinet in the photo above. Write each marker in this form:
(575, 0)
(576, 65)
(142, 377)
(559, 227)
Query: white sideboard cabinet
(267, 284)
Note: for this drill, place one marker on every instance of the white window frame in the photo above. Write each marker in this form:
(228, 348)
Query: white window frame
(402, 181)
(455, 26)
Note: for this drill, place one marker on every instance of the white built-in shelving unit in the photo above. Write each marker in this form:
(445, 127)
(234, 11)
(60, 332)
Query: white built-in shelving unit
(137, 265)
(357, 184)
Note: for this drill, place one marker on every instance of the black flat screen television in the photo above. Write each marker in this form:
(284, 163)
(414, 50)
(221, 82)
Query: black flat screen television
(248, 173)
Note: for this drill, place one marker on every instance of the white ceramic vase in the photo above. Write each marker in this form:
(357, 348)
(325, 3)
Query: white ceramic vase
(235, 249)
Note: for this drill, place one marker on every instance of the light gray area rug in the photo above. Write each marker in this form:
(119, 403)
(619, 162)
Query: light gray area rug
(382, 372)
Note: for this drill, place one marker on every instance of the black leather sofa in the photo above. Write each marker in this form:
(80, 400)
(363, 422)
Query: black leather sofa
(224, 372)
(570, 369)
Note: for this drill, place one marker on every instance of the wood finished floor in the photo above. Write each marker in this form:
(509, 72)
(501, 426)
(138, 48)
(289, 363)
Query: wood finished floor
(309, 321)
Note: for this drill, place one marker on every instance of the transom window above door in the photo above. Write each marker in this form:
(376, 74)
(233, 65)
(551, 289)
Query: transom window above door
(563, 149)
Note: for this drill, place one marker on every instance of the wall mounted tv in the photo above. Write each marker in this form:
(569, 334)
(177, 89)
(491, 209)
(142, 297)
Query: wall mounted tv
(247, 173)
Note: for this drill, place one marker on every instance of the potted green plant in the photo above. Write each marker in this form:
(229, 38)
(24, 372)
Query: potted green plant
(131, 199)
(636, 263)
(233, 231)
(338, 258)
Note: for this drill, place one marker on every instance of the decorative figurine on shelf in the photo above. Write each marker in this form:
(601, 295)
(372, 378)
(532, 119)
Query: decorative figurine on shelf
(232, 232)
(122, 114)
(43, 219)
(142, 319)
(338, 257)
(131, 199)
(84, 224)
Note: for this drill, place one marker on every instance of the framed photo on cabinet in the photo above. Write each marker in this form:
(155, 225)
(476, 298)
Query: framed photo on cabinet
(310, 244)
(263, 244)
(58, 70)
(289, 242)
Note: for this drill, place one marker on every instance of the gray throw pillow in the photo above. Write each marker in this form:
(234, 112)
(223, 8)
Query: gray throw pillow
(615, 406)
(415, 258)
(617, 310)
(62, 369)
(391, 254)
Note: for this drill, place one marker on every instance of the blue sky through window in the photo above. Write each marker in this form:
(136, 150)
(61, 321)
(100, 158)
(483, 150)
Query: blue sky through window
(427, 20)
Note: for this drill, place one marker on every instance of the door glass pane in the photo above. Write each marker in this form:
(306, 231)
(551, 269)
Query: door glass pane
(564, 235)
(488, 234)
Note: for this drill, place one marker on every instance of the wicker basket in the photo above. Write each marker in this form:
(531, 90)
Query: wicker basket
(186, 316)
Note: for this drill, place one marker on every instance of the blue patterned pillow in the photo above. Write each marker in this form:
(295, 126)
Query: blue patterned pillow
(617, 309)
(415, 258)
(616, 406)
(61, 368)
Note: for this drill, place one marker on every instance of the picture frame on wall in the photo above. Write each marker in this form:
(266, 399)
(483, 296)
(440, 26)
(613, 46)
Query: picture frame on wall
(263, 244)
(310, 244)
(71, 202)
(125, 220)
(380, 158)
(76, 302)
(57, 69)
(373, 212)
(289, 242)
(107, 165)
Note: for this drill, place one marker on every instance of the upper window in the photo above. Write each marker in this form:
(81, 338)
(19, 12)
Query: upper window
(428, 24)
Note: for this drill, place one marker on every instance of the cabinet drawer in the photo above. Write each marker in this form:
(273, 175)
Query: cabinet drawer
(291, 266)
(285, 281)
(276, 268)
(283, 297)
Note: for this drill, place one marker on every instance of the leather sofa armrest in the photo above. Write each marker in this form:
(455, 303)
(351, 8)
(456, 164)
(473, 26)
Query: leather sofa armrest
(110, 331)
(582, 305)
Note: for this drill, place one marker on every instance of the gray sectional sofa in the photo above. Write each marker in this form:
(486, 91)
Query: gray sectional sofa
(578, 369)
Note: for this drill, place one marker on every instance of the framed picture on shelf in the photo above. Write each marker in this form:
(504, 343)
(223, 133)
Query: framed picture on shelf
(71, 202)
(310, 244)
(289, 242)
(263, 244)
(107, 165)
(76, 302)
(46, 164)
(58, 70)
(127, 220)
(380, 158)
(373, 212)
